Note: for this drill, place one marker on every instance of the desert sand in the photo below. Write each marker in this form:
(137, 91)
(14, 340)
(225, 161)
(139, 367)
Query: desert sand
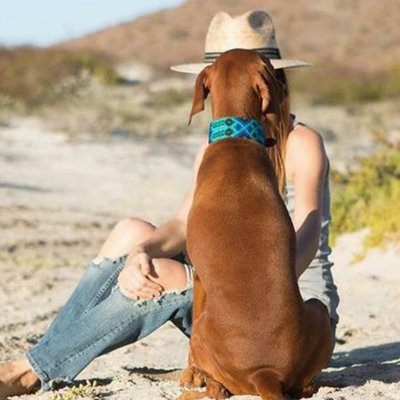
(59, 198)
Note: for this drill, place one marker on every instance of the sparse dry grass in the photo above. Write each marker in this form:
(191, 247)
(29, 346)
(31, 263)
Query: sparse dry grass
(32, 77)
(32, 262)
(87, 390)
(336, 84)
(122, 111)
(169, 98)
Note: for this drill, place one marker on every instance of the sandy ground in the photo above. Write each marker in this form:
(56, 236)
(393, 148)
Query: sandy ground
(60, 198)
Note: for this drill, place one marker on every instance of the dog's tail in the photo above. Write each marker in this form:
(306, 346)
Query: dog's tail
(267, 384)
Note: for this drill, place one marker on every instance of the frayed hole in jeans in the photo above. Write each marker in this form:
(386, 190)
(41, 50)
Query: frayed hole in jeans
(179, 292)
(99, 260)
(163, 295)
(159, 299)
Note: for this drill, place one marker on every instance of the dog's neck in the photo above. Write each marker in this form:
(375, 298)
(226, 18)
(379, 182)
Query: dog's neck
(240, 128)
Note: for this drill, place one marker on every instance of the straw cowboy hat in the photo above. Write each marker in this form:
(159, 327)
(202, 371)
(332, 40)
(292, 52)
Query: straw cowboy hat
(253, 30)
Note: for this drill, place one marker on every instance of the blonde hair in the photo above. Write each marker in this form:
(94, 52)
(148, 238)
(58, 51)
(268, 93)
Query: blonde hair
(280, 134)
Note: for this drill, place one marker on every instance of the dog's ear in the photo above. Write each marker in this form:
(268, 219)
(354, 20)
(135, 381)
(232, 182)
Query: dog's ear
(261, 86)
(272, 95)
(276, 88)
(201, 91)
(273, 86)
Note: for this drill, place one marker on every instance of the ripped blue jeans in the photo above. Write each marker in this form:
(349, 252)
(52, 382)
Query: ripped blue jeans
(98, 318)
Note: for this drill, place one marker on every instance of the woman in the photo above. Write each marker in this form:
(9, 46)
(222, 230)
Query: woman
(141, 279)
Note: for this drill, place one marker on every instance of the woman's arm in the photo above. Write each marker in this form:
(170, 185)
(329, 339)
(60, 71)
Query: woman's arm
(135, 280)
(170, 238)
(308, 164)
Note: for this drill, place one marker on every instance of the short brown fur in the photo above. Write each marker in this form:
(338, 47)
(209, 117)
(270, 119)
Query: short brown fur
(252, 333)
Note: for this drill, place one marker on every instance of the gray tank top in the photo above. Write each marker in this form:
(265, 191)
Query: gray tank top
(317, 281)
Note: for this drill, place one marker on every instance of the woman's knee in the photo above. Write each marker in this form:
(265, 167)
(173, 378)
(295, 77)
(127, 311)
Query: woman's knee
(126, 234)
(134, 228)
(170, 274)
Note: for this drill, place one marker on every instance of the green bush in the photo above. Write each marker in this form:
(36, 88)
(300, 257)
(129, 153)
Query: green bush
(33, 76)
(335, 85)
(369, 197)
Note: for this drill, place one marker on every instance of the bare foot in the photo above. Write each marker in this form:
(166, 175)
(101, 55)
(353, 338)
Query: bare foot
(17, 378)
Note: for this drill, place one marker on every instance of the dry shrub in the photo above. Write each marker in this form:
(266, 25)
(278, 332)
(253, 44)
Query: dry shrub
(337, 84)
(34, 76)
(170, 98)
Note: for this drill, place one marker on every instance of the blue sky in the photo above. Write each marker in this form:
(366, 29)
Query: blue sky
(44, 22)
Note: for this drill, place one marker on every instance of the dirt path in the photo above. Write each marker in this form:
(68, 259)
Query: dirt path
(59, 200)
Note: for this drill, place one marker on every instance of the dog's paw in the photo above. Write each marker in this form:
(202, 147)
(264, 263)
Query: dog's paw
(308, 391)
(192, 378)
(223, 393)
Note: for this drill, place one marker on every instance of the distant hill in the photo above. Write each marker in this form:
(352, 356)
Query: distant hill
(364, 34)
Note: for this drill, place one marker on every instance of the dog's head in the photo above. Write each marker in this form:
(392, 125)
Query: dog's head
(242, 83)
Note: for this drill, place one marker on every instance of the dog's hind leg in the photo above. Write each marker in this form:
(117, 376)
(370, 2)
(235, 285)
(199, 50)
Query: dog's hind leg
(267, 385)
(191, 376)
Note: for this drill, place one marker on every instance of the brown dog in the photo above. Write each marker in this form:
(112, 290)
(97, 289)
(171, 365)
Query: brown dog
(252, 333)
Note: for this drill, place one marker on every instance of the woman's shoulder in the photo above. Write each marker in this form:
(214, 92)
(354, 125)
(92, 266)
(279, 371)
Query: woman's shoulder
(305, 150)
(304, 136)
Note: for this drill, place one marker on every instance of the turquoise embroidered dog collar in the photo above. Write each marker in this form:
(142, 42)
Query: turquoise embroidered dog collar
(235, 127)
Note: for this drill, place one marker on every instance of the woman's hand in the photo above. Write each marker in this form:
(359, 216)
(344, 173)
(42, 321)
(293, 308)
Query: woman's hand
(134, 280)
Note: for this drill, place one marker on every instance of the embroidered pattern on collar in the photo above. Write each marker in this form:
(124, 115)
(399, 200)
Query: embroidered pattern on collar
(235, 127)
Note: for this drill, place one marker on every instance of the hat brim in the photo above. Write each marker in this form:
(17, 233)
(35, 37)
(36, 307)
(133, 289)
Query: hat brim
(277, 64)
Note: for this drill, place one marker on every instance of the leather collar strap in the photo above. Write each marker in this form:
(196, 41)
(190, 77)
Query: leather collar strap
(235, 127)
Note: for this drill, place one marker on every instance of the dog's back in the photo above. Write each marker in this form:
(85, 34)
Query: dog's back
(244, 257)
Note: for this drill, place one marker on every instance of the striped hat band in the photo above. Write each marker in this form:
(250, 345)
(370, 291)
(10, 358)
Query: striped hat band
(269, 52)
